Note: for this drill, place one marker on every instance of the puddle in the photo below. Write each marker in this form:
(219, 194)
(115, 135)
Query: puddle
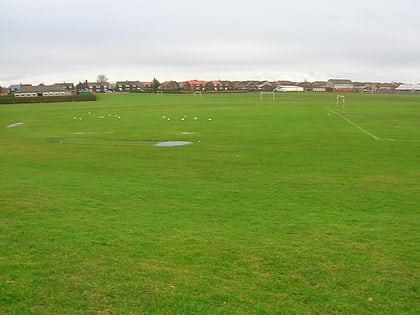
(15, 125)
(172, 143)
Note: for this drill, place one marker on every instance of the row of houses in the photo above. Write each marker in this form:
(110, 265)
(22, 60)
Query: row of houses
(191, 85)
(332, 85)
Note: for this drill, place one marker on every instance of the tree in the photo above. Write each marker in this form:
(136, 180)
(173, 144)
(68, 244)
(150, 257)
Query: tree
(155, 84)
(102, 78)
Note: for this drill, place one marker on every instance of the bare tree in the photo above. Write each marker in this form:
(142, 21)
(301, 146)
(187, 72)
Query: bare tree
(102, 78)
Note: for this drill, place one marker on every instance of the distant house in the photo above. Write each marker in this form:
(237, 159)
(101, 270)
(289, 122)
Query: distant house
(197, 85)
(98, 87)
(128, 86)
(82, 86)
(387, 86)
(320, 86)
(282, 82)
(226, 85)
(238, 85)
(146, 85)
(251, 85)
(193, 85)
(376, 87)
(66, 86)
(4, 91)
(266, 86)
(340, 85)
(58, 89)
(169, 86)
(215, 85)
(94, 87)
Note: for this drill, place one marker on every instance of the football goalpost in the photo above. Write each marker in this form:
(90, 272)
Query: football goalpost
(198, 93)
(272, 94)
(343, 102)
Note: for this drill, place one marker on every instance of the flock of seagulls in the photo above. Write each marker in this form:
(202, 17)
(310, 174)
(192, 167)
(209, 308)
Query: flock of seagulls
(98, 116)
(182, 118)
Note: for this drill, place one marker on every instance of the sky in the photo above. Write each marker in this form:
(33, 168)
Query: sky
(49, 41)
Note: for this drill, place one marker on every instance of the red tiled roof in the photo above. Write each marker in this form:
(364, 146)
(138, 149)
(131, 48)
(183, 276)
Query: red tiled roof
(196, 82)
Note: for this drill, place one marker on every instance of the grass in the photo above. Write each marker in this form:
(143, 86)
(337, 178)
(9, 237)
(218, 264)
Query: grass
(277, 207)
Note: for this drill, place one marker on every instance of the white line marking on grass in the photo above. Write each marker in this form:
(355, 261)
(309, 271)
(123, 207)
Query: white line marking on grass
(398, 140)
(355, 125)
(14, 125)
(367, 132)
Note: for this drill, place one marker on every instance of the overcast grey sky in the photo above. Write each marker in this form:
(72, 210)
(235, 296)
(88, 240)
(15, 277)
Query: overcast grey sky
(54, 41)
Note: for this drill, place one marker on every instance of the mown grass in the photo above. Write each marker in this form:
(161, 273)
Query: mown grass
(277, 207)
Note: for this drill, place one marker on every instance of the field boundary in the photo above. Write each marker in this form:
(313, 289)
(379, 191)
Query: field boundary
(367, 132)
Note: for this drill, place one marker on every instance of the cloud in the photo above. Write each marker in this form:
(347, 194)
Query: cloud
(367, 40)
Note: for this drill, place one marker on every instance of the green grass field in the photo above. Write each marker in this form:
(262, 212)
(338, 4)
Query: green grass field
(277, 207)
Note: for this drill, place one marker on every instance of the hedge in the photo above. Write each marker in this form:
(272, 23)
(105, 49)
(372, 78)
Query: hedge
(47, 99)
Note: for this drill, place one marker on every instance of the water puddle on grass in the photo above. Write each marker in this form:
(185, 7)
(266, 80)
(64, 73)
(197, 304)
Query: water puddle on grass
(172, 143)
(14, 125)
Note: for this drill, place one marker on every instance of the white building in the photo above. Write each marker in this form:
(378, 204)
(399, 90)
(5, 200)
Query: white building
(288, 88)
(407, 88)
(58, 89)
(340, 85)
